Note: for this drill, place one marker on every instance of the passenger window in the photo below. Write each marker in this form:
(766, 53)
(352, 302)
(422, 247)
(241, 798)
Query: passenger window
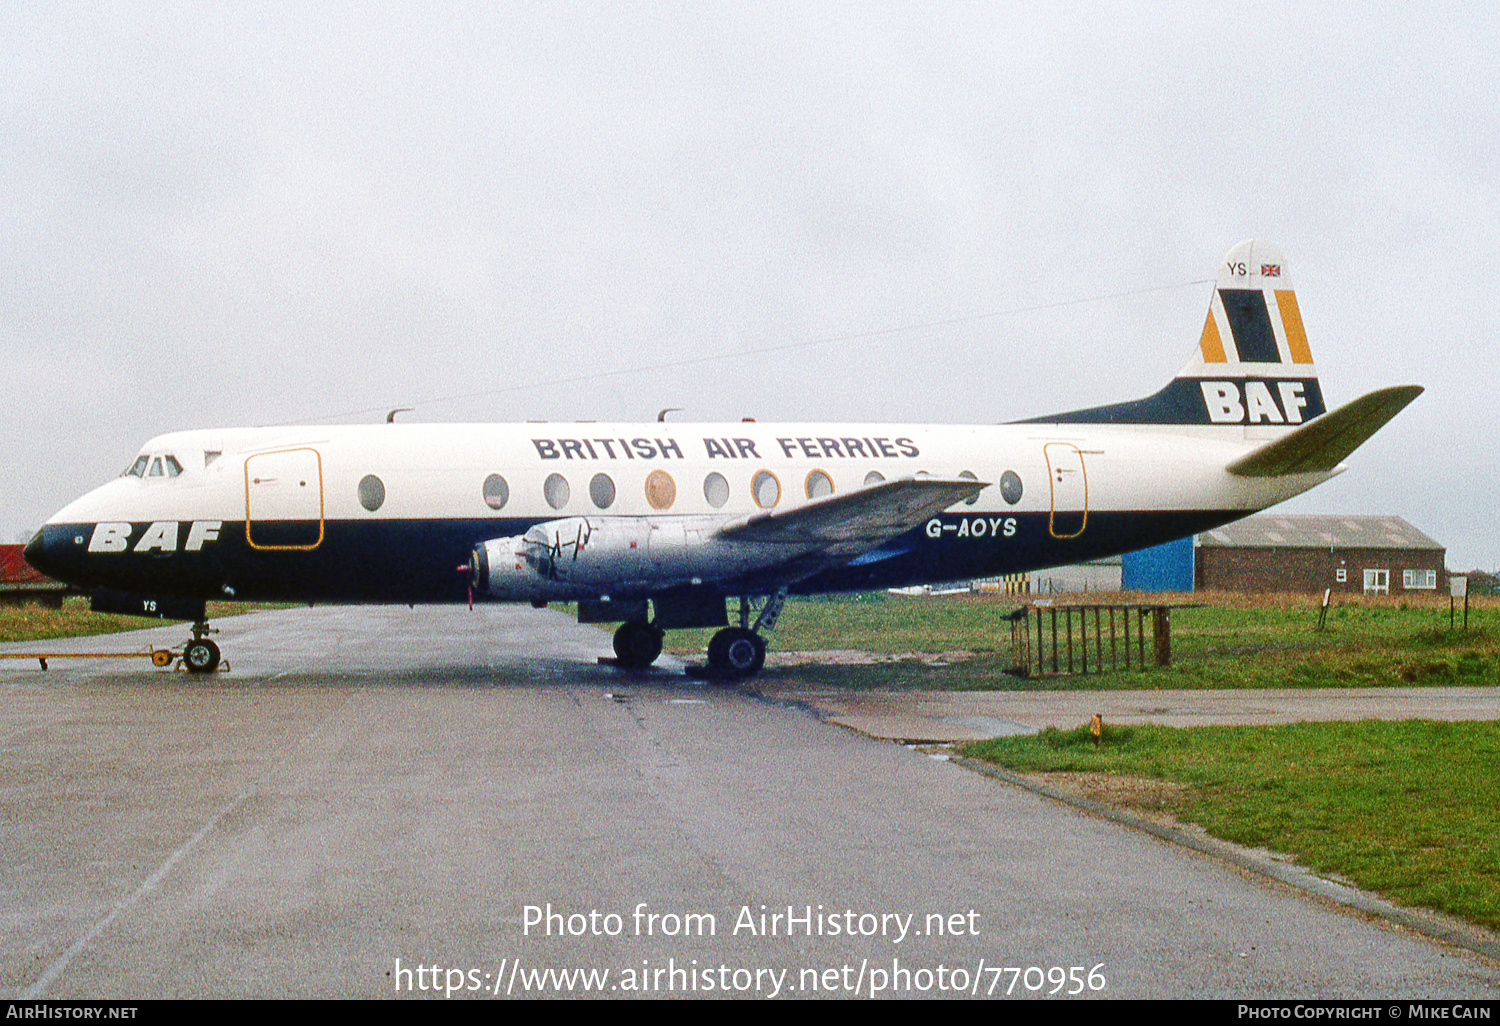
(1010, 487)
(371, 492)
(716, 490)
(496, 492)
(818, 484)
(556, 490)
(873, 477)
(969, 475)
(602, 491)
(766, 489)
(661, 490)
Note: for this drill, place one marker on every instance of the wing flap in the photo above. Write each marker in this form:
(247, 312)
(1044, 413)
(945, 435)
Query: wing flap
(1323, 443)
(858, 520)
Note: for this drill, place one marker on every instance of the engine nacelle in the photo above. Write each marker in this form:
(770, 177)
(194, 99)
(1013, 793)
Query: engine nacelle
(583, 557)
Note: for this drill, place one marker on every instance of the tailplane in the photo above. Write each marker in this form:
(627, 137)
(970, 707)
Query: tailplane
(1253, 366)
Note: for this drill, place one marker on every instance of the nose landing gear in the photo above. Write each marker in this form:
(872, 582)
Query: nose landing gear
(201, 655)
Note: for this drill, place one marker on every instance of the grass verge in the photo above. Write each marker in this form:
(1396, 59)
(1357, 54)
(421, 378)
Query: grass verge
(1220, 641)
(1406, 809)
(75, 619)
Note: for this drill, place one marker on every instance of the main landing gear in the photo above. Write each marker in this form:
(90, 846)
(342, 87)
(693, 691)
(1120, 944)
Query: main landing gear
(637, 644)
(734, 653)
(201, 655)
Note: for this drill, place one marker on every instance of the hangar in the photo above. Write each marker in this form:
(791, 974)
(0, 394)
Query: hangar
(1371, 555)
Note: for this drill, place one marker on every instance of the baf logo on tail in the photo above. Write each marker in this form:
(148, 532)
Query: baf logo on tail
(1253, 365)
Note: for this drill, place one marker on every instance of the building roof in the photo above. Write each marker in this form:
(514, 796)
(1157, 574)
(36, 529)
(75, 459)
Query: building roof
(1281, 530)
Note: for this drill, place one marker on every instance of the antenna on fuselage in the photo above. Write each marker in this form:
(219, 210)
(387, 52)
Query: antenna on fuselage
(662, 416)
(390, 418)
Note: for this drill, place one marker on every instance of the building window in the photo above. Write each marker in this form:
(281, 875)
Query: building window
(1341, 575)
(1377, 582)
(1413, 579)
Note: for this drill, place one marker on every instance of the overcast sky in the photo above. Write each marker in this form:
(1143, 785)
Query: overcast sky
(261, 213)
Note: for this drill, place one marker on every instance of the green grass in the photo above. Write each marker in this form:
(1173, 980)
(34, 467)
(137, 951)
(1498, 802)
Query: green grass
(1223, 642)
(1407, 809)
(75, 619)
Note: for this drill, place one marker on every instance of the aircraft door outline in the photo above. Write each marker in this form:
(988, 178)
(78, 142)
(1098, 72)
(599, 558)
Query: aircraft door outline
(284, 500)
(1068, 483)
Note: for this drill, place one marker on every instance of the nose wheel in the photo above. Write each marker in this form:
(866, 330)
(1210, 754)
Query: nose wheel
(201, 655)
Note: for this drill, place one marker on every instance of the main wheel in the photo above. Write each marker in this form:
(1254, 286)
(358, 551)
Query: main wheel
(200, 656)
(637, 645)
(736, 652)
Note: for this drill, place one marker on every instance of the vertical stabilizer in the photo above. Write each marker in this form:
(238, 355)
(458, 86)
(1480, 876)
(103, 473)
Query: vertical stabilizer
(1252, 367)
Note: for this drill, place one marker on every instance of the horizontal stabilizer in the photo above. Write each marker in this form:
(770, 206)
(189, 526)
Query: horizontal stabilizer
(868, 516)
(1322, 444)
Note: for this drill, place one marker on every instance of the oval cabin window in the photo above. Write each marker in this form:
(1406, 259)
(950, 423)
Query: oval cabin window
(371, 492)
(602, 491)
(716, 490)
(496, 492)
(661, 490)
(969, 475)
(766, 489)
(1010, 487)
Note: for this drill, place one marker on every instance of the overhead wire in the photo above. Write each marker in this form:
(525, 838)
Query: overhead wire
(690, 361)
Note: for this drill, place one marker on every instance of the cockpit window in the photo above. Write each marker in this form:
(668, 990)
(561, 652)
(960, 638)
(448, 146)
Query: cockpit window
(163, 465)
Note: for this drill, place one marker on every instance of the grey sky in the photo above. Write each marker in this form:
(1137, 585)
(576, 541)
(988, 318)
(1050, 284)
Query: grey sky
(280, 212)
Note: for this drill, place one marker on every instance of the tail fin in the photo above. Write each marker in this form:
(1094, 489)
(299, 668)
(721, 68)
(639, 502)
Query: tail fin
(1253, 365)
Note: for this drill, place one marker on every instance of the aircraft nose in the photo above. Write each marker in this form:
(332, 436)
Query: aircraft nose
(35, 553)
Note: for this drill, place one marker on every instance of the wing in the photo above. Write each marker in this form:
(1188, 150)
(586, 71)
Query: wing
(847, 524)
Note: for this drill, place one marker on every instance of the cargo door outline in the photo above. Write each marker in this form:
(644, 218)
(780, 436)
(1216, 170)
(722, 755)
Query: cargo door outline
(1068, 483)
(284, 500)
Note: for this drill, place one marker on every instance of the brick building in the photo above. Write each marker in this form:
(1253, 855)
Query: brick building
(1281, 552)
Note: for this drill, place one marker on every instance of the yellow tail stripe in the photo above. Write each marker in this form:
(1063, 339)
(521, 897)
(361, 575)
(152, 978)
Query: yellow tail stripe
(1210, 344)
(1291, 320)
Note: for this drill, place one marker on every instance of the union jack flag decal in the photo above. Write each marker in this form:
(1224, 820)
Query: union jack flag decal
(1270, 270)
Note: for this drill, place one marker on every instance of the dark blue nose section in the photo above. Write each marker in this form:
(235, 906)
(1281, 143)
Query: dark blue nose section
(35, 553)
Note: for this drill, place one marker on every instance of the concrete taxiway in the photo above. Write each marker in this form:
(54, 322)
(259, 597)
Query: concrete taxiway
(392, 802)
(944, 716)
